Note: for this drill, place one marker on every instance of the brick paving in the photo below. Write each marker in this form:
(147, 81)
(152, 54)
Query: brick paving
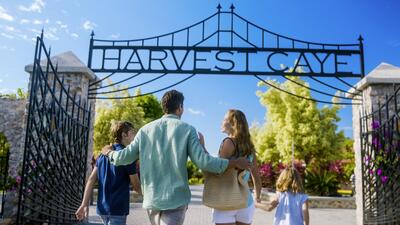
(200, 215)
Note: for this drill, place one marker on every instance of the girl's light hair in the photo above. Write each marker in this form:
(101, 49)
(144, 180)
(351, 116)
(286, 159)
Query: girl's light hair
(289, 180)
(240, 131)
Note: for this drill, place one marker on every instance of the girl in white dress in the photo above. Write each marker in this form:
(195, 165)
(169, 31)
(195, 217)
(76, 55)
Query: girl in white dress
(292, 207)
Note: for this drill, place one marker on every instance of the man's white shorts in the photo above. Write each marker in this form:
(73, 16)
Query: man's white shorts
(244, 215)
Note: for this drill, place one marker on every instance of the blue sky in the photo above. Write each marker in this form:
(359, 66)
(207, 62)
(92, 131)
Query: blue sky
(68, 25)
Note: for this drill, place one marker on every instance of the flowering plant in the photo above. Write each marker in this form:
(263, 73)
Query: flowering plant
(379, 161)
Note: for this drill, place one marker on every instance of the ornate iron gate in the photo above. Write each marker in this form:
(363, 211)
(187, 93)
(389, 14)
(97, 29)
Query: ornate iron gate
(56, 145)
(223, 43)
(380, 150)
(4, 180)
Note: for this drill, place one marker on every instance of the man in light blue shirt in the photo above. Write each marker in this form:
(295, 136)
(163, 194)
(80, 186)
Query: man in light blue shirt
(163, 147)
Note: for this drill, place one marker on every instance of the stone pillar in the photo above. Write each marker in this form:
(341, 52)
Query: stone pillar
(77, 76)
(12, 125)
(382, 81)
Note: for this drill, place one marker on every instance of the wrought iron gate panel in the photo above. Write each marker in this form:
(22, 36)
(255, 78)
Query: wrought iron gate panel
(221, 44)
(4, 180)
(56, 145)
(380, 151)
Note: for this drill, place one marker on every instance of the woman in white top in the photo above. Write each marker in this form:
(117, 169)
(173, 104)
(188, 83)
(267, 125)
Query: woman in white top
(239, 144)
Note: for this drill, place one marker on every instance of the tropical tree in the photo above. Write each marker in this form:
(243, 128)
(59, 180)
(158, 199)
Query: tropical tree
(298, 121)
(150, 105)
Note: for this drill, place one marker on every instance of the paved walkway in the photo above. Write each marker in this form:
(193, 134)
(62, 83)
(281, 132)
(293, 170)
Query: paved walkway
(200, 215)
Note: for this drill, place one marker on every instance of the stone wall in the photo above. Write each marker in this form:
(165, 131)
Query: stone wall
(12, 125)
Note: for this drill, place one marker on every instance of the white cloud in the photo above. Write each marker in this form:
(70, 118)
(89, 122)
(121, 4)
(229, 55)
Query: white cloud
(61, 24)
(196, 112)
(7, 36)
(88, 25)
(74, 35)
(1, 80)
(35, 31)
(53, 30)
(36, 6)
(23, 36)
(37, 22)
(7, 91)
(9, 28)
(115, 36)
(51, 36)
(4, 15)
(24, 21)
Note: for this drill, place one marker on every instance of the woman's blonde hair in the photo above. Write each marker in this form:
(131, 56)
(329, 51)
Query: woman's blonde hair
(119, 127)
(240, 131)
(290, 180)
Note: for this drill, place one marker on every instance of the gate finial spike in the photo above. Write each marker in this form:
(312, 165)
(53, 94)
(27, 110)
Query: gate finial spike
(232, 7)
(219, 7)
(92, 34)
(360, 38)
(42, 33)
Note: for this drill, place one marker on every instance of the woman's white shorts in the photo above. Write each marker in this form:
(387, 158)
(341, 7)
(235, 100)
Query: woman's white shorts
(244, 215)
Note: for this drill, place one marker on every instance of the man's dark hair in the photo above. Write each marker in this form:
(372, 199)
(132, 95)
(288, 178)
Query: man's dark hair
(171, 101)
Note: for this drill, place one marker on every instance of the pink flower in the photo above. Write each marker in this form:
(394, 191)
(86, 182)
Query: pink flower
(375, 124)
(266, 170)
(18, 179)
(379, 172)
(336, 167)
(384, 179)
(376, 143)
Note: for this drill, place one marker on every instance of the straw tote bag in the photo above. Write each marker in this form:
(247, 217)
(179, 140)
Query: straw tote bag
(227, 191)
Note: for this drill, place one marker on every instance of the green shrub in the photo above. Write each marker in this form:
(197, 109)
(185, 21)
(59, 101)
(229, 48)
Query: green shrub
(322, 183)
(195, 180)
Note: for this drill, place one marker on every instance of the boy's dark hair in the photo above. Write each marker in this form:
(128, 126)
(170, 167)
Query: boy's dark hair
(119, 127)
(171, 101)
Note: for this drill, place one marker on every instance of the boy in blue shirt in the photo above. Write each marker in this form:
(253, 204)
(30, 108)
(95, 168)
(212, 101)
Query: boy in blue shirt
(113, 192)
